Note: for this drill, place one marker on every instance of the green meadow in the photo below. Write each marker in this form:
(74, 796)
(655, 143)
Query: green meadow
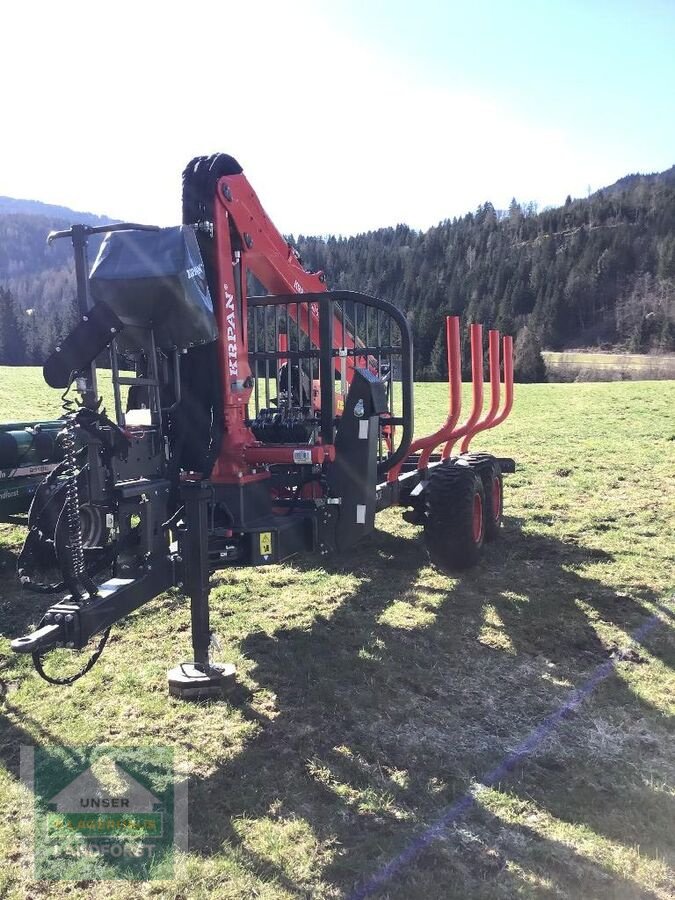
(376, 691)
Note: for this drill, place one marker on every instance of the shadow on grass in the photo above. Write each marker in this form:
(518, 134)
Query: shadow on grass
(488, 857)
(19, 608)
(391, 707)
(380, 725)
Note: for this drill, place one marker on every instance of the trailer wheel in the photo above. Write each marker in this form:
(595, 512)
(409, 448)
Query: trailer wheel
(493, 485)
(490, 471)
(456, 517)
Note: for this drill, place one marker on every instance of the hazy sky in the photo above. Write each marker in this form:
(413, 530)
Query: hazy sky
(345, 115)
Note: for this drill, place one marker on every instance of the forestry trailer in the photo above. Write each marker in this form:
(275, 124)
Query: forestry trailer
(249, 425)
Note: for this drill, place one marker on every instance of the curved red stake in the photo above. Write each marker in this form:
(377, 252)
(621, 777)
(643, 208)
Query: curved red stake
(493, 353)
(454, 386)
(476, 333)
(431, 441)
(507, 346)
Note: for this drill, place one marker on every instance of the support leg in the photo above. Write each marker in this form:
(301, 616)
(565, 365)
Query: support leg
(200, 679)
(194, 546)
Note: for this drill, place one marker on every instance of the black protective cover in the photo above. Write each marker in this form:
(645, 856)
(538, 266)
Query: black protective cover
(155, 279)
(89, 337)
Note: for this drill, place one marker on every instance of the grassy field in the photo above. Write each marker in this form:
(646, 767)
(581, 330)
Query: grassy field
(588, 366)
(379, 691)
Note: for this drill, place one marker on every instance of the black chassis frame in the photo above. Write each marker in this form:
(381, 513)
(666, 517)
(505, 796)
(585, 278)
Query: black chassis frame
(73, 624)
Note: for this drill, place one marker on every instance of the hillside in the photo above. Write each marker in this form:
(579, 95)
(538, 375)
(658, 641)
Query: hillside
(37, 283)
(596, 272)
(9, 205)
(628, 182)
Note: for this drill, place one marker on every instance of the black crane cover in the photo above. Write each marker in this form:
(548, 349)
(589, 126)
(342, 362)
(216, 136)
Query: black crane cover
(155, 279)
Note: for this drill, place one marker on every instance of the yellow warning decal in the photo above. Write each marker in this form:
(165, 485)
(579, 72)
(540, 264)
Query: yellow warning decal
(265, 543)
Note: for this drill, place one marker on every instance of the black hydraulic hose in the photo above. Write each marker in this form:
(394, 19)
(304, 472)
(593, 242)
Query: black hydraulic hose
(39, 655)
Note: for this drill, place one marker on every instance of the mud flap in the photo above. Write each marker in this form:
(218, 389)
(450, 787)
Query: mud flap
(353, 475)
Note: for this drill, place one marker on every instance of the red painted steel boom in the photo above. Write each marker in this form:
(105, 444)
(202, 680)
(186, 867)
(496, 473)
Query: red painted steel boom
(240, 220)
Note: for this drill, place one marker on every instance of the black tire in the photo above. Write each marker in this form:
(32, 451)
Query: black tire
(454, 529)
(493, 484)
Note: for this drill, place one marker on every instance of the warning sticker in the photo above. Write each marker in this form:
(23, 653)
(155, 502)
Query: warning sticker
(302, 457)
(265, 543)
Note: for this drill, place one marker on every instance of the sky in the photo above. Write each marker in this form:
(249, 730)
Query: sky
(346, 115)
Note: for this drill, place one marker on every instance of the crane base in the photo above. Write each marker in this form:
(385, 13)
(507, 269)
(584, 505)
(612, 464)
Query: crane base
(187, 682)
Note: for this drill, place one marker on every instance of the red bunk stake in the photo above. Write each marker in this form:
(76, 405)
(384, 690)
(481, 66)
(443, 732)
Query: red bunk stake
(430, 442)
(454, 352)
(507, 346)
(448, 434)
(493, 352)
(476, 333)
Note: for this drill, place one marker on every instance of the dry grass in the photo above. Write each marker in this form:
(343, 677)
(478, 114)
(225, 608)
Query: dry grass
(584, 365)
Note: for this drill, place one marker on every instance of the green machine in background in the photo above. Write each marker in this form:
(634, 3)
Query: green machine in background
(28, 452)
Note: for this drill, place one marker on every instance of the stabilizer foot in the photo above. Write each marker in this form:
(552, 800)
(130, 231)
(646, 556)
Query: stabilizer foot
(187, 682)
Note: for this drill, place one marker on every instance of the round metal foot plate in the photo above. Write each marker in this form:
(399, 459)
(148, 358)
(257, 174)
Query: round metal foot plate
(187, 682)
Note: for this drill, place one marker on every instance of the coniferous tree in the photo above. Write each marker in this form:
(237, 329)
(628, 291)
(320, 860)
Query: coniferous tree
(528, 363)
(12, 345)
(597, 271)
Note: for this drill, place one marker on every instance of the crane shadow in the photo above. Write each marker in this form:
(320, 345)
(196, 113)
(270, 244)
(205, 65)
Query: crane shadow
(395, 704)
(390, 706)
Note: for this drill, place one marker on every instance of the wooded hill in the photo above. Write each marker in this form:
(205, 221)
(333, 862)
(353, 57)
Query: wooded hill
(595, 272)
(37, 282)
(598, 271)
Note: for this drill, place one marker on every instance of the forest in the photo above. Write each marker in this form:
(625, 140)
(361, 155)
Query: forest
(597, 272)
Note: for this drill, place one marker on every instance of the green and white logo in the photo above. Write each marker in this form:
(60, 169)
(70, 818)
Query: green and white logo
(105, 813)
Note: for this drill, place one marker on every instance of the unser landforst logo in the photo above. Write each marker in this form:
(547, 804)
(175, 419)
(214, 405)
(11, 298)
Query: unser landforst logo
(105, 822)
(90, 807)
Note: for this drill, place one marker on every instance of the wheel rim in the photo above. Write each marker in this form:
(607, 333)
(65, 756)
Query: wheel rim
(477, 518)
(496, 499)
